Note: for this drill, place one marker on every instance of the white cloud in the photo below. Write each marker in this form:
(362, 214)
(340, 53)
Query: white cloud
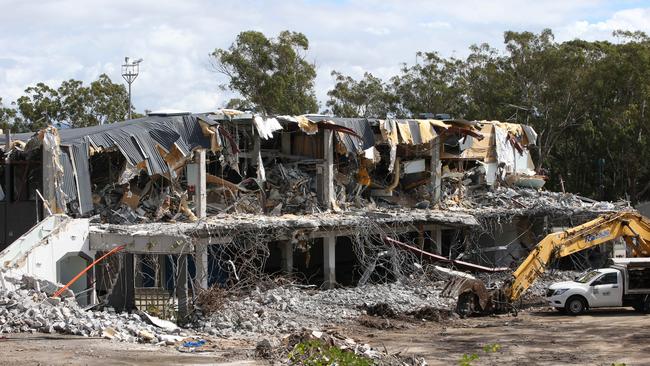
(57, 40)
(628, 19)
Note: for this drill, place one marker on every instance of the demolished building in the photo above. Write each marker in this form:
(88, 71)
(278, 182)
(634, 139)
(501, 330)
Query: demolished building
(218, 198)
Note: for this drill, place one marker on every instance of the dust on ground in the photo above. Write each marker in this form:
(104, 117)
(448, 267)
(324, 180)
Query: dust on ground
(539, 336)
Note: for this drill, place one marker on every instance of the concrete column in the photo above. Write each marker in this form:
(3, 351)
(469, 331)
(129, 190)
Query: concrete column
(201, 263)
(196, 178)
(181, 288)
(329, 261)
(286, 247)
(328, 169)
(437, 238)
(49, 189)
(436, 169)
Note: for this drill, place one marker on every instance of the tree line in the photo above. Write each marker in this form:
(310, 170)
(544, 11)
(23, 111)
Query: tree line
(71, 104)
(587, 100)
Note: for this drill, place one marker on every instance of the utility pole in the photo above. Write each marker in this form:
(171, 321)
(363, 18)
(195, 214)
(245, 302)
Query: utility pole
(130, 71)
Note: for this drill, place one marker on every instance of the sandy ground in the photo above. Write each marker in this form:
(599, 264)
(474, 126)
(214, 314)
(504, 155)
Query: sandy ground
(536, 337)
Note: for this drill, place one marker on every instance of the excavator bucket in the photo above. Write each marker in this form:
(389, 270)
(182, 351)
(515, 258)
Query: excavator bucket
(473, 297)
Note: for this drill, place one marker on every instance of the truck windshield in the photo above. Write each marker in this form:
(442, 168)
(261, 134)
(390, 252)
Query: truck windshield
(588, 276)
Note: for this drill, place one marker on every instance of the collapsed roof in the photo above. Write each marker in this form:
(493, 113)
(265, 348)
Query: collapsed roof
(161, 144)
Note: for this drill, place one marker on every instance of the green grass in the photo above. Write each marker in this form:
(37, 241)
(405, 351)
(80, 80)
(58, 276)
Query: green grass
(316, 353)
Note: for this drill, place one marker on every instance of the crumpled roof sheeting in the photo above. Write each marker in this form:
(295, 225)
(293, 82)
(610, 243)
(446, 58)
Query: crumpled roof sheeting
(137, 140)
(360, 126)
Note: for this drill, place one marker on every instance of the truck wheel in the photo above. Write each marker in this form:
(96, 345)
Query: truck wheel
(645, 304)
(575, 305)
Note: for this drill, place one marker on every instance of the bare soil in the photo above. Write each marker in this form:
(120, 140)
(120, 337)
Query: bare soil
(534, 337)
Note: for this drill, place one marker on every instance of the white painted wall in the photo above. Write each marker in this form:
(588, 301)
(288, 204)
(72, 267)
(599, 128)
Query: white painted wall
(38, 251)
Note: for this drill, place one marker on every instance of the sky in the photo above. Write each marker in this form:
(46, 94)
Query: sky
(51, 41)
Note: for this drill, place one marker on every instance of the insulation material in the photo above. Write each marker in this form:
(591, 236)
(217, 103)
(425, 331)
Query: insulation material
(405, 133)
(426, 131)
(515, 130)
(363, 177)
(175, 158)
(504, 149)
(306, 125)
(213, 133)
(438, 123)
(483, 150)
(261, 173)
(515, 162)
(266, 127)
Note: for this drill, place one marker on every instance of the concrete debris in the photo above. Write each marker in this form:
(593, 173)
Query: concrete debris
(523, 201)
(27, 309)
(283, 310)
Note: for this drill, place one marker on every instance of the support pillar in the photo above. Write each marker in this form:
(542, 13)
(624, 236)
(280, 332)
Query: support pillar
(436, 170)
(329, 261)
(196, 178)
(181, 288)
(286, 247)
(437, 238)
(49, 189)
(201, 264)
(327, 182)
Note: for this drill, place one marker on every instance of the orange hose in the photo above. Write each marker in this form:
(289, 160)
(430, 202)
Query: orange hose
(113, 251)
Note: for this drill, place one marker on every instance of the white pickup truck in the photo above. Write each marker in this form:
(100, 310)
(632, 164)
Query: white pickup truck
(626, 282)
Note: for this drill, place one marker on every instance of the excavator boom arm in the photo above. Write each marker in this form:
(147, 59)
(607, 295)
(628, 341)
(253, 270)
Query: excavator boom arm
(628, 225)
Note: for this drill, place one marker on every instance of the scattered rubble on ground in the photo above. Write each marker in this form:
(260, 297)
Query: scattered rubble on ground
(283, 310)
(25, 306)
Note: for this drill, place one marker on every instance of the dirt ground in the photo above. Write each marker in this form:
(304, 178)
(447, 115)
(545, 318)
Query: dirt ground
(535, 337)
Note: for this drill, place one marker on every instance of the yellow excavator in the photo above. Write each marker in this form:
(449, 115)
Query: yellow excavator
(475, 298)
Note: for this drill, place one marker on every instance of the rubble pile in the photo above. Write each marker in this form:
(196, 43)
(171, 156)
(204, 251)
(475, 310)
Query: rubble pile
(291, 191)
(25, 307)
(528, 200)
(287, 309)
(142, 202)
